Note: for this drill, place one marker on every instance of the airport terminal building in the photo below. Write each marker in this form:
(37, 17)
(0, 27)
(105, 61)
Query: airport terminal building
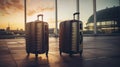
(108, 20)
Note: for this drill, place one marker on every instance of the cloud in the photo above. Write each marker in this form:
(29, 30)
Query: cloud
(10, 6)
(43, 6)
(31, 12)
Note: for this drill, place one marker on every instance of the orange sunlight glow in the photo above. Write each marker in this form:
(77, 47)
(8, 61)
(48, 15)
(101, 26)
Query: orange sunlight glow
(15, 21)
(40, 7)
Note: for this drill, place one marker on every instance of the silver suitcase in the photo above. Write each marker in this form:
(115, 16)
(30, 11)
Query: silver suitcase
(70, 37)
(37, 41)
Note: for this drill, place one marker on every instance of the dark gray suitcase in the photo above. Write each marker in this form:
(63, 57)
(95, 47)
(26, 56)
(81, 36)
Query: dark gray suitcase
(37, 40)
(70, 37)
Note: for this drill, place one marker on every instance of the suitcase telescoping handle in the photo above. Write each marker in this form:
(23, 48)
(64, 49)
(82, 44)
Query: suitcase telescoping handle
(77, 13)
(39, 16)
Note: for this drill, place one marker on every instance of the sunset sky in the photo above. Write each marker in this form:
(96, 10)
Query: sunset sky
(12, 11)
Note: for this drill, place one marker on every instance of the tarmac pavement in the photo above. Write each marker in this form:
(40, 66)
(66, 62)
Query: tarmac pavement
(98, 51)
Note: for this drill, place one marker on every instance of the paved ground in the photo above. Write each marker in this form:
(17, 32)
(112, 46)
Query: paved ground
(100, 51)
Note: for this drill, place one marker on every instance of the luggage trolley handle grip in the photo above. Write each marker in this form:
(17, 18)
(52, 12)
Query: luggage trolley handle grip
(77, 13)
(39, 16)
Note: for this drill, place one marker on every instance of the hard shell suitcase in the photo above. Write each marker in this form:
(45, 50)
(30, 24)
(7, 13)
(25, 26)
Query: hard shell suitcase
(70, 37)
(37, 37)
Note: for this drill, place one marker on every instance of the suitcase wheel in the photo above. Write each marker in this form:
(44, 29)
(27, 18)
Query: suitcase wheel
(47, 54)
(60, 52)
(36, 55)
(28, 53)
(81, 52)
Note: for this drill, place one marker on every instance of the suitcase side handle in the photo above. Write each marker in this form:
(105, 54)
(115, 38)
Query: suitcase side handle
(39, 16)
(77, 13)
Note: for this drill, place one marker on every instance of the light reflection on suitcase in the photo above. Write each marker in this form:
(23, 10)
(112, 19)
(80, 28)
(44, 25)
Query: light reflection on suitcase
(70, 37)
(37, 37)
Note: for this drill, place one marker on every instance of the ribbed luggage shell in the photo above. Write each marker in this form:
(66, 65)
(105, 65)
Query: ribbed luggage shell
(70, 37)
(37, 40)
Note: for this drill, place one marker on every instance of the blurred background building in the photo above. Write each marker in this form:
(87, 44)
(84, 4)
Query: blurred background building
(108, 21)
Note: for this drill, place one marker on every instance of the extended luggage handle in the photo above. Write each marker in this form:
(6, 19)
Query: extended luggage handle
(39, 16)
(77, 13)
